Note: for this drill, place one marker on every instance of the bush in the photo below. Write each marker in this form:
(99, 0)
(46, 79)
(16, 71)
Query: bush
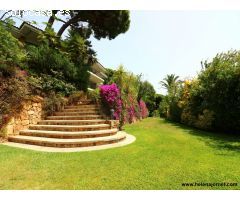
(47, 84)
(217, 90)
(13, 91)
(156, 113)
(76, 96)
(164, 108)
(128, 85)
(205, 120)
(175, 111)
(147, 93)
(169, 108)
(53, 103)
(143, 109)
(133, 110)
(11, 52)
(45, 60)
(94, 95)
(110, 96)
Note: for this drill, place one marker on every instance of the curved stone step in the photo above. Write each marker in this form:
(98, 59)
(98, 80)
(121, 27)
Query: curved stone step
(73, 122)
(67, 135)
(91, 127)
(68, 143)
(80, 126)
(81, 106)
(81, 110)
(75, 113)
(84, 102)
(88, 102)
(128, 140)
(88, 117)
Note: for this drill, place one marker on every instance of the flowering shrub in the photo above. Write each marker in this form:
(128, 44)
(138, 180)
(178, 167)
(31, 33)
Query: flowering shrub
(131, 114)
(143, 109)
(118, 109)
(127, 111)
(110, 95)
(132, 106)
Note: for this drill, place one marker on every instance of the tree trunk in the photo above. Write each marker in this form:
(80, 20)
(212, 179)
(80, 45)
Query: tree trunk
(66, 25)
(51, 19)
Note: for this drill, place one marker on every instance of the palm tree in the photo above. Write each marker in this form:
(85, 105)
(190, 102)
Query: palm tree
(170, 83)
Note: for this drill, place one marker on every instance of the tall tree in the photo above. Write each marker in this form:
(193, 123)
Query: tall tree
(170, 83)
(100, 23)
(79, 48)
(81, 54)
(51, 19)
(146, 91)
(169, 106)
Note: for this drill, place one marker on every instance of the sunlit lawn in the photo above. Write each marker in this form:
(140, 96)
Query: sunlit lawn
(164, 156)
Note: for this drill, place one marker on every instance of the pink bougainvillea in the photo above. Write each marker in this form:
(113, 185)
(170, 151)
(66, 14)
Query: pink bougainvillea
(133, 110)
(131, 113)
(143, 109)
(118, 109)
(110, 95)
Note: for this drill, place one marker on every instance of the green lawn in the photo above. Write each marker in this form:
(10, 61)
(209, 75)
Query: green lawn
(163, 156)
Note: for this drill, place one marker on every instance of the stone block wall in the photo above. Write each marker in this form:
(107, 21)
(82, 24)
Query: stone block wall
(114, 123)
(31, 113)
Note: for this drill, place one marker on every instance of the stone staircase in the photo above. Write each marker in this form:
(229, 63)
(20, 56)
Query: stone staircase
(80, 125)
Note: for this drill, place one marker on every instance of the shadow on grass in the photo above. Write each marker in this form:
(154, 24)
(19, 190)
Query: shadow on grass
(217, 140)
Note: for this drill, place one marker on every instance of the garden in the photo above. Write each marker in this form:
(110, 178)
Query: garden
(57, 68)
(164, 156)
(188, 135)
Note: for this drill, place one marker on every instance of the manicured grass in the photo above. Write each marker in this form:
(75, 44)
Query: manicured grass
(164, 156)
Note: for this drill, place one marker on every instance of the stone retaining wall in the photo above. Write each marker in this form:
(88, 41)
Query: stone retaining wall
(31, 113)
(114, 123)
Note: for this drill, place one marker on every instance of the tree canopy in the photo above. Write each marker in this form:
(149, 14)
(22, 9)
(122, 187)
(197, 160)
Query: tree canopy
(147, 94)
(169, 82)
(99, 23)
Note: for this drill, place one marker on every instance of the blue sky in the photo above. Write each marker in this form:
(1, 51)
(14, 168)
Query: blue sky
(164, 42)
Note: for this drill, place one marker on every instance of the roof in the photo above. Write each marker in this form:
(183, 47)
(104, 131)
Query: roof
(101, 65)
(31, 26)
(26, 31)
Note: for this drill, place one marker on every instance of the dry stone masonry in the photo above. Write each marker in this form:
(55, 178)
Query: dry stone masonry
(31, 113)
